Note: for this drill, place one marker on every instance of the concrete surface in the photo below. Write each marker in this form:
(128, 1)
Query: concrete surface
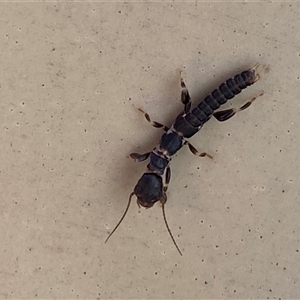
(71, 74)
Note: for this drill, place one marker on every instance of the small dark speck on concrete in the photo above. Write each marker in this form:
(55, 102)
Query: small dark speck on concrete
(283, 191)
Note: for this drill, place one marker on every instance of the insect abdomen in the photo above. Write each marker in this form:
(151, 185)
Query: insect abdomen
(222, 94)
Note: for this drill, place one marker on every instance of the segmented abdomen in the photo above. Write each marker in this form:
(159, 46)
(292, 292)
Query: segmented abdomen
(189, 124)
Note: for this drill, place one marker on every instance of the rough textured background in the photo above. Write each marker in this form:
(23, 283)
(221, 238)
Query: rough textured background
(70, 76)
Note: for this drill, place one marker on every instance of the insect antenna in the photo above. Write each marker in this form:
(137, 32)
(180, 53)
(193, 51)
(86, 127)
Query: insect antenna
(168, 228)
(124, 214)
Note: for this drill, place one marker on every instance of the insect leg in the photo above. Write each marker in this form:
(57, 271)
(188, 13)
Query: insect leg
(185, 99)
(196, 152)
(142, 157)
(185, 96)
(167, 179)
(226, 114)
(153, 123)
(139, 157)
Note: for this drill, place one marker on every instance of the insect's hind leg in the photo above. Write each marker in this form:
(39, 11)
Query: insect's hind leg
(185, 96)
(224, 115)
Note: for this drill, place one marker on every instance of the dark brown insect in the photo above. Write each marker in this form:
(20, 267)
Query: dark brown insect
(153, 184)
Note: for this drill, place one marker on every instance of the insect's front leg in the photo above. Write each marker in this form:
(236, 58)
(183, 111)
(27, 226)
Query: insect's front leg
(167, 179)
(140, 157)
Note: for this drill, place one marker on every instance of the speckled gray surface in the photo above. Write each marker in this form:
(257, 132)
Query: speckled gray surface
(71, 74)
